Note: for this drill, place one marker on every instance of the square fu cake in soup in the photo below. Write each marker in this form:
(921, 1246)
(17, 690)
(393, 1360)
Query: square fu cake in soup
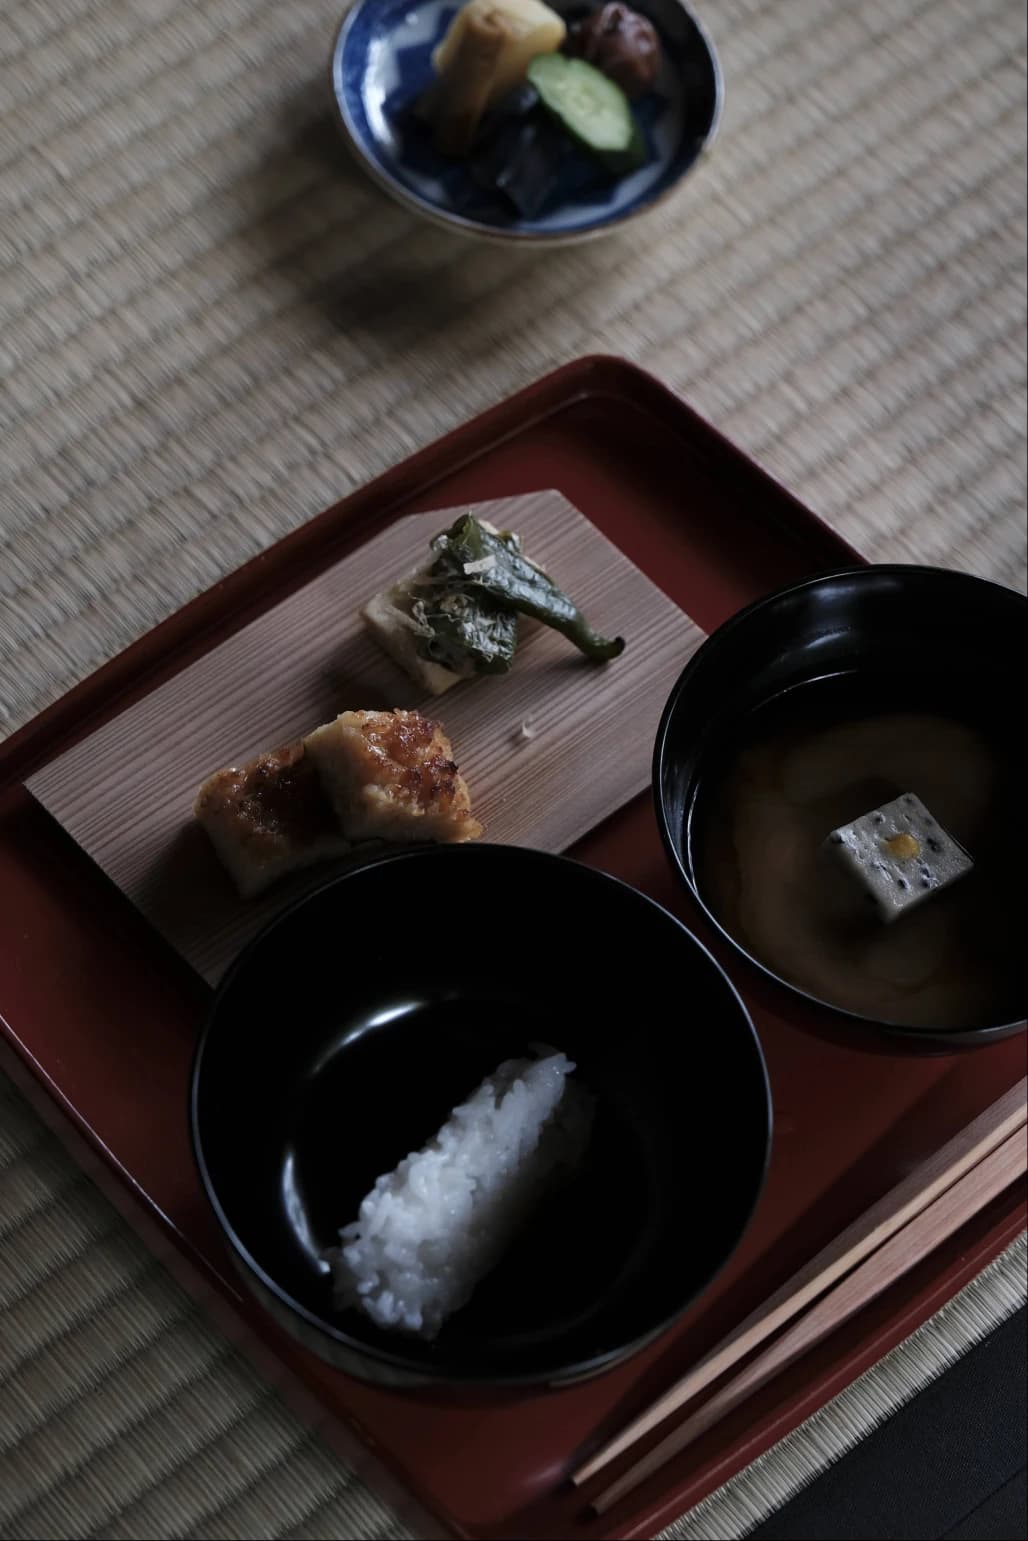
(899, 855)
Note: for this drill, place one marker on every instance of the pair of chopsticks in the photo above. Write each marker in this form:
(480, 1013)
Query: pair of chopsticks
(881, 1246)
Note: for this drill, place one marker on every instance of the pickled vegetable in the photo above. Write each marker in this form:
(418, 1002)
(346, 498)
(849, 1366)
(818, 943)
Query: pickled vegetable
(592, 109)
(622, 44)
(529, 28)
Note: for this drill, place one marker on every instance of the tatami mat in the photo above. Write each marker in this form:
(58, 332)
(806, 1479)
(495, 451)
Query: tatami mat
(211, 326)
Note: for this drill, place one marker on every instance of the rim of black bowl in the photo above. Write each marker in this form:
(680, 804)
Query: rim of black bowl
(461, 224)
(927, 1036)
(580, 1369)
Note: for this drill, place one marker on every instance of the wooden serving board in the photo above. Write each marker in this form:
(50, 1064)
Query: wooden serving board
(125, 793)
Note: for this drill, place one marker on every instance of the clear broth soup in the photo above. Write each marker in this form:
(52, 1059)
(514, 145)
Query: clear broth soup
(757, 830)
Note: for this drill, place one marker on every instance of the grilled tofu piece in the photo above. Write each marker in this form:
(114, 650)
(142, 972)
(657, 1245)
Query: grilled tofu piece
(269, 817)
(392, 776)
(365, 776)
(390, 618)
(388, 615)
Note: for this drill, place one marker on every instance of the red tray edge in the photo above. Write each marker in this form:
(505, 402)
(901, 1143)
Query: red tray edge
(243, 590)
(930, 1299)
(189, 1269)
(230, 1312)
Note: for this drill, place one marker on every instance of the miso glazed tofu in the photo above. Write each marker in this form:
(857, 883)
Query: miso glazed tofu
(365, 776)
(269, 817)
(392, 776)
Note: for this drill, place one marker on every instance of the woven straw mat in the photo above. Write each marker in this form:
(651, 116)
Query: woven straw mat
(211, 326)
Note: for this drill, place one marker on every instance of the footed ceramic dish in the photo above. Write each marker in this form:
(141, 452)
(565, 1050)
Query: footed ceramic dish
(382, 63)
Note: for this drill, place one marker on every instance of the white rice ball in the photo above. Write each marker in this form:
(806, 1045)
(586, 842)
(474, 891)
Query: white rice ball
(432, 1228)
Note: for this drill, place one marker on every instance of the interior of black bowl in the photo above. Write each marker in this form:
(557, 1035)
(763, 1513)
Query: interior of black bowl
(900, 648)
(346, 1035)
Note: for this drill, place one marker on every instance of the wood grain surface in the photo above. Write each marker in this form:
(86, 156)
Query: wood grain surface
(125, 794)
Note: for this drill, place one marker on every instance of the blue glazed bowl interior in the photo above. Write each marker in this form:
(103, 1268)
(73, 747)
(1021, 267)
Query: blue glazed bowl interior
(383, 62)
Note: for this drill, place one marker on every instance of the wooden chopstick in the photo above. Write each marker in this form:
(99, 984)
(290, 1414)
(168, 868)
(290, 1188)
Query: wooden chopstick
(890, 1262)
(858, 1241)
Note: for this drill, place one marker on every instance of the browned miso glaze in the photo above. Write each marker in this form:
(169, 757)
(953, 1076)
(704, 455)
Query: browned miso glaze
(955, 960)
(278, 794)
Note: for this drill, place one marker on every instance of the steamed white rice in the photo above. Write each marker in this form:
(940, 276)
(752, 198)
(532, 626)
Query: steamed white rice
(432, 1228)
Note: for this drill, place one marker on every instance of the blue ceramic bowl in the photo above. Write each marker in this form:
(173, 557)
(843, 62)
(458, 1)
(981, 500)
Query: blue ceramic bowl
(382, 62)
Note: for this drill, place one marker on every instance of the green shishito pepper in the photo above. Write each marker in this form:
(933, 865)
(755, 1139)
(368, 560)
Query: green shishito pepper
(464, 632)
(479, 583)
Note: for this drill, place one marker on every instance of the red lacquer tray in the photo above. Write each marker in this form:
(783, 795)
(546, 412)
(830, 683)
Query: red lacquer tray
(99, 1016)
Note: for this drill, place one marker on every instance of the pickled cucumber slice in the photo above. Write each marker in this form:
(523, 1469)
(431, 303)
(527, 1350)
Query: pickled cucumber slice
(590, 107)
